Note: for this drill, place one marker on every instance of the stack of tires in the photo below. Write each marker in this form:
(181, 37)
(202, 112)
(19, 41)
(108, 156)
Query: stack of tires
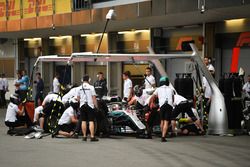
(184, 85)
(231, 85)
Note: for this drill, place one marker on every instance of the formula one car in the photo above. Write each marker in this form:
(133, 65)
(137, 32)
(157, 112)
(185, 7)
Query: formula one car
(124, 119)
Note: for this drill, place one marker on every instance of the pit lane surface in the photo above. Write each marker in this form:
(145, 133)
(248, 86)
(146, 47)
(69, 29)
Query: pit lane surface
(123, 151)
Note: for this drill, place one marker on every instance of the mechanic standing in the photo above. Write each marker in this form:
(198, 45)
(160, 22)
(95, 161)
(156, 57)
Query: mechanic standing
(246, 88)
(207, 90)
(24, 85)
(1, 90)
(87, 97)
(39, 89)
(6, 88)
(56, 84)
(101, 90)
(166, 98)
(127, 86)
(209, 66)
(101, 86)
(149, 81)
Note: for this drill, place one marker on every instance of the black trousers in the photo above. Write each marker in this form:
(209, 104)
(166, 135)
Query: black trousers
(21, 120)
(39, 96)
(184, 107)
(101, 118)
(2, 98)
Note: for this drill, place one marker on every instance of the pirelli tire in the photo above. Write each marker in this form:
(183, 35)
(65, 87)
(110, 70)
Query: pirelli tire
(52, 123)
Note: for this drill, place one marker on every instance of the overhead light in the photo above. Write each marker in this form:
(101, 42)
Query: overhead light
(31, 39)
(93, 34)
(125, 32)
(85, 35)
(98, 34)
(60, 37)
(139, 31)
(235, 21)
(132, 31)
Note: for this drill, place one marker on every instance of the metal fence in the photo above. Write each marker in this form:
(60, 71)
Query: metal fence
(85, 4)
(81, 4)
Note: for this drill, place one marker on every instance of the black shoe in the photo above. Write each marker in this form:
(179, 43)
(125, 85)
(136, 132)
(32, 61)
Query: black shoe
(53, 135)
(84, 139)
(93, 139)
(10, 132)
(163, 139)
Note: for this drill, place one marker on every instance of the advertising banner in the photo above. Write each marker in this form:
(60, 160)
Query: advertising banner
(62, 6)
(14, 9)
(29, 8)
(44, 7)
(2, 10)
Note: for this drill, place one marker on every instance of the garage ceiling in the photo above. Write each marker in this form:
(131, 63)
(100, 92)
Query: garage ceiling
(169, 20)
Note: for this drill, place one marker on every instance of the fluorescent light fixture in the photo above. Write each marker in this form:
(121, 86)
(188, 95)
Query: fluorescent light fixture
(85, 35)
(60, 37)
(133, 31)
(99, 34)
(235, 22)
(125, 32)
(31, 39)
(139, 31)
(93, 35)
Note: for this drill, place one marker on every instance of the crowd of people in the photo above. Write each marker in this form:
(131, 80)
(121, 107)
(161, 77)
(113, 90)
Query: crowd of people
(80, 103)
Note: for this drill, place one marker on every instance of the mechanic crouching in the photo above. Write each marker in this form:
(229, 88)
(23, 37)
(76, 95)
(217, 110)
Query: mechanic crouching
(141, 102)
(52, 102)
(68, 120)
(15, 117)
(183, 106)
(188, 126)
